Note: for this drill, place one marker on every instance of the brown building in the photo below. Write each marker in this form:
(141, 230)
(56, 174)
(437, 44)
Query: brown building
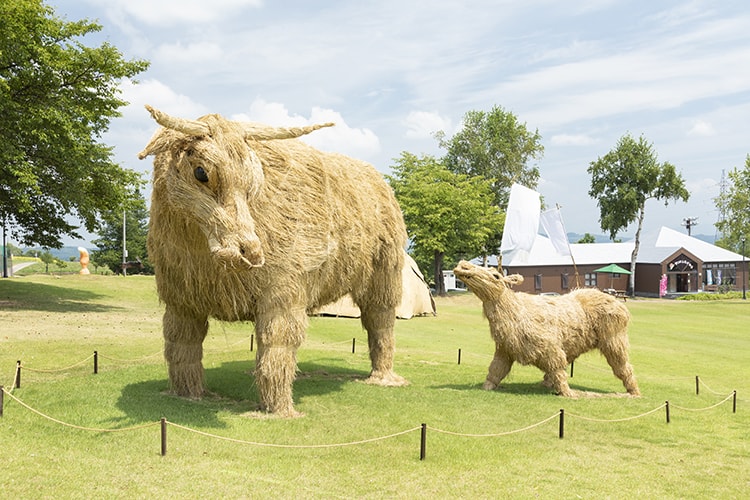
(687, 264)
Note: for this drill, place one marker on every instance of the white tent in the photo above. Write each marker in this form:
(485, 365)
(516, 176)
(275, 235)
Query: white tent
(416, 299)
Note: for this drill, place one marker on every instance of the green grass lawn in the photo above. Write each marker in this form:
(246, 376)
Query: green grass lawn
(54, 324)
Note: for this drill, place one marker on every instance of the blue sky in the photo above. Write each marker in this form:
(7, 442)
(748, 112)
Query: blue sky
(391, 73)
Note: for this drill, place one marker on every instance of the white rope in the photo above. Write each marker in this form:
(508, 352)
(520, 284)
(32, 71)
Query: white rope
(499, 433)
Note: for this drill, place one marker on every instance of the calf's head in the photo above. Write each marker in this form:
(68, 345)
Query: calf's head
(487, 283)
(206, 173)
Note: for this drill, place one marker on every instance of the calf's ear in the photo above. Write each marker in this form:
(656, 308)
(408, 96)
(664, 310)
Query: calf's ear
(514, 279)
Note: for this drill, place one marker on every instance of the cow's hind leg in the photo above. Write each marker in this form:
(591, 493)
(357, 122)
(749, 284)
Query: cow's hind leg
(183, 349)
(377, 299)
(279, 336)
(615, 351)
(379, 323)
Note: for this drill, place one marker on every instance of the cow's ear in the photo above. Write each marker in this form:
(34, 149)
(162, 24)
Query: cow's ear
(159, 142)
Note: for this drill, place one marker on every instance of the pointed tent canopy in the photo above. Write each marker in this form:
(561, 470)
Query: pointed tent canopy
(612, 268)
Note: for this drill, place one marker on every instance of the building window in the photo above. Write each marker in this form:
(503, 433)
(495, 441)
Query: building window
(564, 281)
(589, 279)
(537, 282)
(719, 274)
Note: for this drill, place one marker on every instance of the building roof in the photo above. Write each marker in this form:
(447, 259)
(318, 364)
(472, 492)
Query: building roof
(653, 249)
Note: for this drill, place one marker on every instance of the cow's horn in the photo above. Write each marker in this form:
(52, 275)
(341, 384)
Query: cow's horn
(264, 132)
(189, 127)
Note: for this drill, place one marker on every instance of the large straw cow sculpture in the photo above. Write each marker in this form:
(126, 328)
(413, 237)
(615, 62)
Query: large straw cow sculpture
(249, 224)
(549, 332)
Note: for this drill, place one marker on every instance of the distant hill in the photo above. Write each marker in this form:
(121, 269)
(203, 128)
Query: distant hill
(64, 253)
(600, 238)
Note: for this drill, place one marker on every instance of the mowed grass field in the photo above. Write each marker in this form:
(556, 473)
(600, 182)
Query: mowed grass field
(357, 440)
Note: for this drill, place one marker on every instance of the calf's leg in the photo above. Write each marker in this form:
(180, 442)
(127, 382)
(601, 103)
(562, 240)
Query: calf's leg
(183, 349)
(499, 368)
(615, 351)
(555, 374)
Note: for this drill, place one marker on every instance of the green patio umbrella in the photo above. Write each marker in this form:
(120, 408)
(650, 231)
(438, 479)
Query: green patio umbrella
(612, 269)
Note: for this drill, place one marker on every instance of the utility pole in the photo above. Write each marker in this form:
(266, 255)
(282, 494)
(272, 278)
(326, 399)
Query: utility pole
(124, 246)
(689, 222)
(5, 251)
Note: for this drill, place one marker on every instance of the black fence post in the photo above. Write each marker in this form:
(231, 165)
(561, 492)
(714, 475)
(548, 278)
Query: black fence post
(163, 436)
(252, 341)
(734, 401)
(562, 423)
(18, 374)
(697, 386)
(459, 356)
(2, 395)
(667, 407)
(572, 363)
(423, 442)
(96, 362)
(354, 343)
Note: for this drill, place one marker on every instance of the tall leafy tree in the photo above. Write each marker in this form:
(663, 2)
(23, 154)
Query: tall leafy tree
(447, 215)
(57, 97)
(734, 203)
(494, 145)
(624, 179)
(110, 245)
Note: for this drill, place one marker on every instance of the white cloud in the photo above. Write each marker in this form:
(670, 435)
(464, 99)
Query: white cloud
(424, 124)
(160, 96)
(175, 12)
(355, 142)
(702, 128)
(195, 53)
(572, 140)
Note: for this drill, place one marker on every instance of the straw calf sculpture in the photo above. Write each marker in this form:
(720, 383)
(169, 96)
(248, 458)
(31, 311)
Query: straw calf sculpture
(549, 332)
(249, 224)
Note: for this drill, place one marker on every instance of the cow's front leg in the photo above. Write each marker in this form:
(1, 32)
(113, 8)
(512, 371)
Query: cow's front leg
(184, 333)
(279, 336)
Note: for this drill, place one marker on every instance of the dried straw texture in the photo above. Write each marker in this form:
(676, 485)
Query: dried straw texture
(244, 229)
(549, 332)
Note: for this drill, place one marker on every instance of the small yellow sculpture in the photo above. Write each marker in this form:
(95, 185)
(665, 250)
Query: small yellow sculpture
(84, 259)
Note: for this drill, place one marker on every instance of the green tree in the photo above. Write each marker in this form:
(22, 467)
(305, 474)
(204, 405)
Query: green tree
(624, 179)
(109, 244)
(496, 146)
(447, 215)
(57, 97)
(47, 258)
(734, 203)
(587, 238)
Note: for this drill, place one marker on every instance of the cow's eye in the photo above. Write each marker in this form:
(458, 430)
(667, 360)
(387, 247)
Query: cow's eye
(200, 174)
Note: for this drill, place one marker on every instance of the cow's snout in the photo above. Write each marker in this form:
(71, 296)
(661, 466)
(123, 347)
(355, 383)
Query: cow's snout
(251, 251)
(239, 251)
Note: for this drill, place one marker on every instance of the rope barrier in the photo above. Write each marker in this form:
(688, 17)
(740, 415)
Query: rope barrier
(128, 361)
(73, 426)
(732, 395)
(15, 378)
(423, 427)
(292, 446)
(56, 370)
(707, 387)
(507, 433)
(591, 419)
